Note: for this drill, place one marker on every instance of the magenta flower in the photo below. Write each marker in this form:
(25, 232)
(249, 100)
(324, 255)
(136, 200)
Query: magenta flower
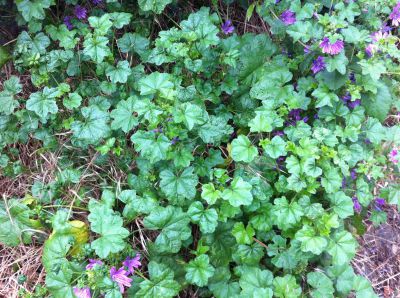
(395, 15)
(318, 65)
(120, 277)
(371, 49)
(67, 22)
(394, 156)
(379, 35)
(354, 104)
(93, 263)
(288, 17)
(331, 48)
(227, 27)
(82, 293)
(80, 12)
(132, 263)
(356, 204)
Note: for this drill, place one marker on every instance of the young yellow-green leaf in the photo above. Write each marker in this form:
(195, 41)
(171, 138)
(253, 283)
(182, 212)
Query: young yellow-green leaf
(243, 235)
(238, 193)
(210, 194)
(243, 150)
(199, 270)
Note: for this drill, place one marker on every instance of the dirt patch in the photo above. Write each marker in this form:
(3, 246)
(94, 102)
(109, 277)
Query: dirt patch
(378, 257)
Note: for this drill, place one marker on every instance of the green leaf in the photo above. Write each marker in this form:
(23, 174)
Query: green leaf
(342, 204)
(243, 150)
(133, 42)
(363, 287)
(120, 19)
(157, 83)
(286, 214)
(33, 9)
(161, 283)
(123, 115)
(15, 223)
(101, 25)
(73, 101)
(276, 147)
(180, 185)
(323, 286)
(243, 235)
(238, 193)
(150, 146)
(310, 242)
(199, 270)
(256, 282)
(310, 168)
(174, 225)
(190, 114)
(286, 287)
(210, 194)
(342, 247)
(373, 68)
(96, 47)
(324, 96)
(207, 219)
(108, 224)
(331, 181)
(61, 33)
(337, 62)
(135, 205)
(93, 128)
(120, 73)
(43, 102)
(7, 102)
(378, 105)
(59, 282)
(374, 130)
(154, 6)
(215, 130)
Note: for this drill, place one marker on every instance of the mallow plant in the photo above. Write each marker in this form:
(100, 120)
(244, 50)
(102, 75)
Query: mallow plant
(249, 160)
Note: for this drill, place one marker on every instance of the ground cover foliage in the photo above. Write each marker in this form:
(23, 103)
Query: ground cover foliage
(250, 159)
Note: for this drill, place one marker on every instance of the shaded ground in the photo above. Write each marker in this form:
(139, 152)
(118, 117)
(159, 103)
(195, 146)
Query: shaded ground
(378, 257)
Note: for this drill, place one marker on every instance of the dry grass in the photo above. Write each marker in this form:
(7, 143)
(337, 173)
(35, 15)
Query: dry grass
(23, 260)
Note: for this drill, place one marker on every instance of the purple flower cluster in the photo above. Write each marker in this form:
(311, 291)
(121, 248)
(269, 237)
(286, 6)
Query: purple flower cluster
(395, 15)
(318, 65)
(379, 203)
(331, 48)
(175, 140)
(357, 205)
(288, 17)
(120, 276)
(294, 116)
(346, 99)
(227, 27)
(80, 13)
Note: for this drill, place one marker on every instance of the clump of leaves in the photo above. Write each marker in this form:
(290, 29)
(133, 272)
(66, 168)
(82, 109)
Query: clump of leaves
(250, 158)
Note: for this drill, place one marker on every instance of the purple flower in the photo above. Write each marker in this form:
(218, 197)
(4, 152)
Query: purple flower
(352, 77)
(305, 119)
(175, 140)
(379, 202)
(393, 156)
(356, 204)
(67, 22)
(288, 17)
(346, 98)
(157, 130)
(80, 12)
(379, 35)
(93, 263)
(227, 27)
(278, 133)
(132, 263)
(307, 49)
(82, 293)
(353, 174)
(120, 277)
(331, 48)
(354, 104)
(318, 65)
(371, 49)
(96, 2)
(395, 15)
